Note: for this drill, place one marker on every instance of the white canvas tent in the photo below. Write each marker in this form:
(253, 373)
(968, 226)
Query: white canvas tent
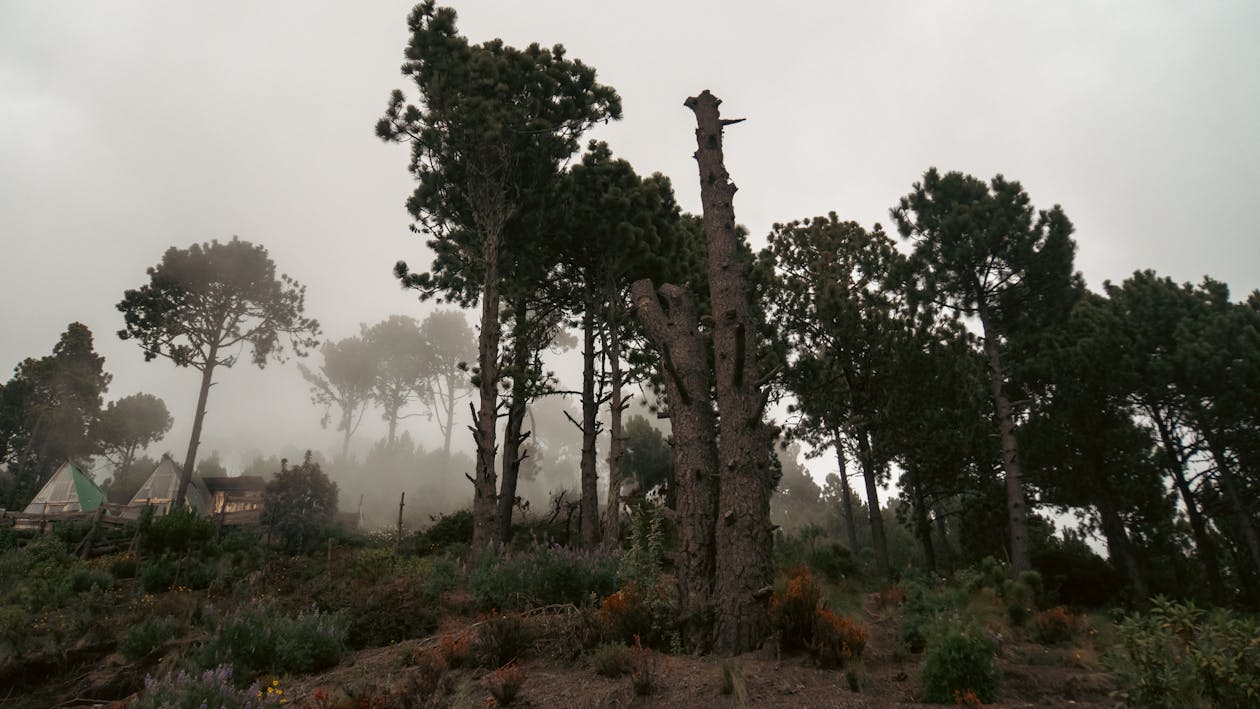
(68, 490)
(159, 489)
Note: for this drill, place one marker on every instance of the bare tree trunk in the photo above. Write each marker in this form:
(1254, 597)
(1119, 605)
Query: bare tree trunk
(185, 475)
(743, 537)
(846, 495)
(1118, 546)
(922, 525)
(590, 431)
(450, 419)
(1198, 526)
(672, 322)
(485, 484)
(616, 444)
(512, 436)
(1016, 504)
(873, 510)
(1242, 516)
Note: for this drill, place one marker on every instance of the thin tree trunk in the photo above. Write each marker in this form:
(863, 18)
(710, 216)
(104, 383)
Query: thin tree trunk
(1016, 504)
(590, 431)
(485, 484)
(1242, 517)
(846, 496)
(942, 532)
(185, 475)
(744, 541)
(922, 525)
(1118, 545)
(867, 459)
(1198, 526)
(670, 319)
(616, 444)
(450, 419)
(512, 436)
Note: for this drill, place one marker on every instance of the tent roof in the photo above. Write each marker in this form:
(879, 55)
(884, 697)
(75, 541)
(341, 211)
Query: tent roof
(68, 490)
(162, 484)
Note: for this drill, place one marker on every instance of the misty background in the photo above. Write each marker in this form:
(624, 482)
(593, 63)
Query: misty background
(130, 127)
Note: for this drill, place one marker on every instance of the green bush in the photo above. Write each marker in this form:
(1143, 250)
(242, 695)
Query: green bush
(157, 576)
(612, 660)
(959, 660)
(177, 531)
(258, 639)
(543, 575)
(85, 578)
(200, 575)
(146, 637)
(832, 561)
(921, 609)
(447, 530)
(299, 505)
(123, 567)
(1178, 655)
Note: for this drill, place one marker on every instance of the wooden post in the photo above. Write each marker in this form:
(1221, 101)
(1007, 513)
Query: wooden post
(398, 544)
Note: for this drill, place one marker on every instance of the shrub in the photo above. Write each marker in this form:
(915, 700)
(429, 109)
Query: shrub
(146, 637)
(177, 531)
(832, 561)
(1177, 655)
(650, 615)
(446, 530)
(612, 660)
(123, 567)
(793, 612)
(1055, 625)
(431, 673)
(504, 684)
(959, 660)
(299, 504)
(647, 669)
(212, 688)
(501, 638)
(256, 640)
(837, 640)
(200, 575)
(387, 613)
(158, 576)
(455, 650)
(543, 575)
(85, 578)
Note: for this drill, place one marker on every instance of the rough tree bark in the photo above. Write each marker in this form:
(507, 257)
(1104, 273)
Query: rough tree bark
(1198, 525)
(846, 494)
(670, 318)
(1016, 505)
(873, 511)
(743, 539)
(485, 484)
(190, 459)
(616, 446)
(513, 438)
(590, 431)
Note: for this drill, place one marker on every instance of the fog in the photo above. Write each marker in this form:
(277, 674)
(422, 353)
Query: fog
(130, 127)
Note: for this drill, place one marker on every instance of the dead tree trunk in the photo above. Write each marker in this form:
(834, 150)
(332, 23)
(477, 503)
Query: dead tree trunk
(670, 319)
(743, 536)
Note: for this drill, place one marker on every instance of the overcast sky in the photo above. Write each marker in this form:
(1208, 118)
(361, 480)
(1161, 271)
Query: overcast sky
(129, 127)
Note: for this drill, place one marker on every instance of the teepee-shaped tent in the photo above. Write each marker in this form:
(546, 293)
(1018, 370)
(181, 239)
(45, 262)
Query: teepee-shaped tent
(68, 490)
(161, 486)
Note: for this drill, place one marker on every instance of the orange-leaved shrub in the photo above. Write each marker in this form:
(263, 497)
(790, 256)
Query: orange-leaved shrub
(803, 623)
(837, 640)
(1055, 625)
